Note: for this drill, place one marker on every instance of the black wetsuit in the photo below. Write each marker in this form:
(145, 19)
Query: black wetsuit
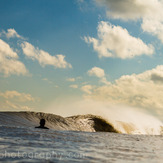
(42, 127)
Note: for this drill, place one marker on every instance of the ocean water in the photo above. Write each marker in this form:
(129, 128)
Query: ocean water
(21, 142)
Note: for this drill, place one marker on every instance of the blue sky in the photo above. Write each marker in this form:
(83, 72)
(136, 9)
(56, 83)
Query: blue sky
(102, 50)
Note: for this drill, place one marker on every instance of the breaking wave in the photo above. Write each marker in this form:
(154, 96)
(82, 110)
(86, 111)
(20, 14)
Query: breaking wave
(88, 122)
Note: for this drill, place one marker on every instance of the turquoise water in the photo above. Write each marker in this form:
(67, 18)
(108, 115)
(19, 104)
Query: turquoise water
(21, 144)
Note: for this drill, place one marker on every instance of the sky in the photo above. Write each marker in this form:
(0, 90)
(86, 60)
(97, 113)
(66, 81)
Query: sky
(99, 50)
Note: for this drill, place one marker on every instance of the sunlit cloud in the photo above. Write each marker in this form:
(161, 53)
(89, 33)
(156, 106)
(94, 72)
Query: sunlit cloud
(23, 97)
(13, 100)
(99, 73)
(71, 79)
(43, 57)
(11, 33)
(74, 86)
(142, 90)
(149, 11)
(9, 63)
(8, 105)
(87, 89)
(130, 9)
(115, 41)
(96, 71)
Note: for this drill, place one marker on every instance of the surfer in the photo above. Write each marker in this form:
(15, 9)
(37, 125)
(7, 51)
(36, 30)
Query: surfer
(42, 124)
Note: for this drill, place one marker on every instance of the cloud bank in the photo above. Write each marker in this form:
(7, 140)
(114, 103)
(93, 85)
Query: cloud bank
(142, 90)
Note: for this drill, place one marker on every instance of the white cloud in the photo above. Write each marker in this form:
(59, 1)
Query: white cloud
(104, 80)
(142, 90)
(114, 41)
(10, 100)
(23, 97)
(73, 86)
(11, 33)
(44, 58)
(96, 71)
(10, 106)
(130, 9)
(149, 11)
(153, 26)
(87, 89)
(9, 63)
(71, 79)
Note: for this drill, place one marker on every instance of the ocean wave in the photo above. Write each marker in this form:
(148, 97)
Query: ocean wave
(88, 123)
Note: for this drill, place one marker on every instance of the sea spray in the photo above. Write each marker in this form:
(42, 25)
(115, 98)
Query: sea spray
(125, 119)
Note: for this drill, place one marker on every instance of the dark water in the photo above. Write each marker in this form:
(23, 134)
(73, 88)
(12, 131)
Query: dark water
(21, 144)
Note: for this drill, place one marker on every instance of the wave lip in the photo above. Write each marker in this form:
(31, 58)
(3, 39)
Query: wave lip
(95, 123)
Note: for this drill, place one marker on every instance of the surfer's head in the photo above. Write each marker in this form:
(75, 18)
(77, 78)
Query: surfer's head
(42, 122)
